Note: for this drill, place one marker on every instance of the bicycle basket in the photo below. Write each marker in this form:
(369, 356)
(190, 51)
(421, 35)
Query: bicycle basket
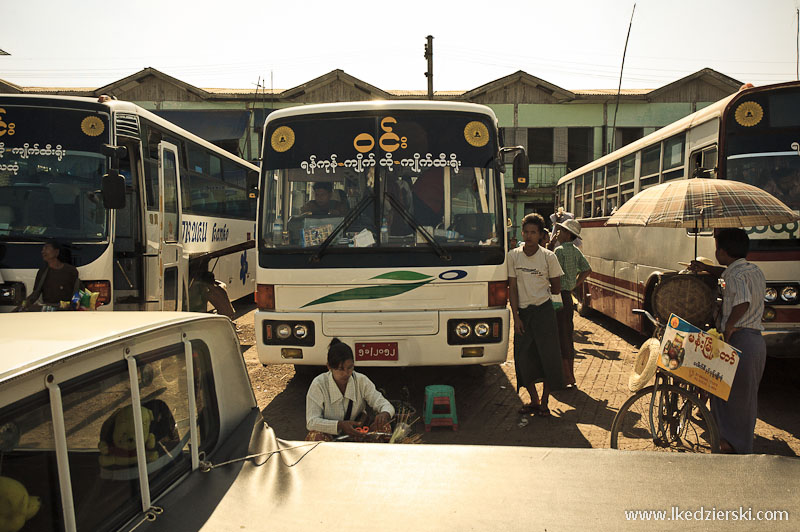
(686, 295)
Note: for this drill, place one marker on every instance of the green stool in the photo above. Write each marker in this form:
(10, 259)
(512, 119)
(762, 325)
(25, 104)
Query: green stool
(440, 407)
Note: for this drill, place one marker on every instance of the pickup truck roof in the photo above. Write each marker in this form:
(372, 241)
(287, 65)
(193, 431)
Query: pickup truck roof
(382, 487)
(35, 339)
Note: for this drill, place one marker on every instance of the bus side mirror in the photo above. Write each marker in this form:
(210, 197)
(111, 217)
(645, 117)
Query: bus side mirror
(521, 171)
(113, 187)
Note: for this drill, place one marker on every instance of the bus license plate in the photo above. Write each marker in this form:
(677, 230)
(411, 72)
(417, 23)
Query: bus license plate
(376, 351)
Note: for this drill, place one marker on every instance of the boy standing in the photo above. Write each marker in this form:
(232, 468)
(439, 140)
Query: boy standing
(576, 270)
(534, 277)
(743, 286)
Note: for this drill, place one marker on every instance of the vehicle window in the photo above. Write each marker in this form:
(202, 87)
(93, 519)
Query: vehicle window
(673, 158)
(612, 174)
(102, 450)
(29, 461)
(650, 160)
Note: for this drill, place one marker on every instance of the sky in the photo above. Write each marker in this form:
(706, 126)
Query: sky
(574, 44)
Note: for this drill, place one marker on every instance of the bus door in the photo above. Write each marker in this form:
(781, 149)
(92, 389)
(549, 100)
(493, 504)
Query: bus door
(172, 269)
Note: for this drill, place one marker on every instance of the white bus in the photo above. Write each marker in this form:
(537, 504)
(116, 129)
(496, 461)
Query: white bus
(132, 198)
(752, 136)
(382, 224)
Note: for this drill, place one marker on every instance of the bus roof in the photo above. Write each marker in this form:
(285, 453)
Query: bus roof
(34, 339)
(710, 112)
(377, 105)
(130, 107)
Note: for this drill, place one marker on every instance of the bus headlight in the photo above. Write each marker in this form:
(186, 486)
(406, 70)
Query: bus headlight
(463, 330)
(770, 295)
(481, 329)
(288, 332)
(789, 293)
(300, 331)
(283, 331)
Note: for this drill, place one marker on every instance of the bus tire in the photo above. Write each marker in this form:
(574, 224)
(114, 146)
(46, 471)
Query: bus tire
(644, 367)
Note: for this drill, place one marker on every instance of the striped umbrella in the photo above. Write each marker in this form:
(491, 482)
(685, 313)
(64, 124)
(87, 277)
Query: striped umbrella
(703, 204)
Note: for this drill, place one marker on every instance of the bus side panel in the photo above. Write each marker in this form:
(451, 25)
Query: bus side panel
(602, 285)
(628, 294)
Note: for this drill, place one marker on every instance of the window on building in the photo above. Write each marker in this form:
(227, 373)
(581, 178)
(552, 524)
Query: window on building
(540, 145)
(580, 147)
(626, 135)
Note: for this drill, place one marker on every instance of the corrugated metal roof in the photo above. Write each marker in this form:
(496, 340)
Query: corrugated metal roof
(244, 91)
(424, 93)
(599, 92)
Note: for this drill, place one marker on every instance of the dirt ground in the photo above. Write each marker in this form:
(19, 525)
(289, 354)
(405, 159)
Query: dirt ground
(487, 400)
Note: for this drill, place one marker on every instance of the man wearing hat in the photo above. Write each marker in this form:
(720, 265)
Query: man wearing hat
(560, 216)
(576, 270)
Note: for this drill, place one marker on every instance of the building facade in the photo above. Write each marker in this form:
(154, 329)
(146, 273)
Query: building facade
(560, 129)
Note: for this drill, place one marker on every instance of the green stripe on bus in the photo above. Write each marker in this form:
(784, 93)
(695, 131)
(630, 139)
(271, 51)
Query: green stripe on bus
(403, 275)
(368, 292)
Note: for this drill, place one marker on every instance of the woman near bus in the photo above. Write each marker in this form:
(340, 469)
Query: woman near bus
(57, 281)
(338, 398)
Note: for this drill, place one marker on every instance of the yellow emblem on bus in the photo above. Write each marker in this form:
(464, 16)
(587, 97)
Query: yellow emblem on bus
(92, 126)
(282, 139)
(749, 114)
(477, 134)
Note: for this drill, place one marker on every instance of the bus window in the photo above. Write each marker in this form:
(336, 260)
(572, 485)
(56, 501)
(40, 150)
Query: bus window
(598, 204)
(650, 159)
(598, 179)
(673, 158)
(612, 174)
(627, 172)
(626, 192)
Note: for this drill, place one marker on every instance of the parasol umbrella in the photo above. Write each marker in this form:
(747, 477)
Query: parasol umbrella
(703, 203)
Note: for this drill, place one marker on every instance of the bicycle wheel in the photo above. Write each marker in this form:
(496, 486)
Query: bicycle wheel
(664, 418)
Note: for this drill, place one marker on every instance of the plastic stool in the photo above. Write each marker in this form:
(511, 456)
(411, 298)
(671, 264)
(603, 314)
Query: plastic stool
(440, 407)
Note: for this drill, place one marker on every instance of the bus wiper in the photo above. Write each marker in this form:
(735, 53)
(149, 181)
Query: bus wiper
(409, 219)
(349, 219)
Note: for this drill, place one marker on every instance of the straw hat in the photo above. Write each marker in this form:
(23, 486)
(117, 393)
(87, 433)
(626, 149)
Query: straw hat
(572, 226)
(704, 260)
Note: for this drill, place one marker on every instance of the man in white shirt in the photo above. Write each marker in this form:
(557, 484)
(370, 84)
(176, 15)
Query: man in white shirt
(337, 398)
(534, 280)
(743, 287)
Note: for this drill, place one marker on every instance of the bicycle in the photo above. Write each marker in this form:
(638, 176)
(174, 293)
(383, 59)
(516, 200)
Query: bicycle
(669, 415)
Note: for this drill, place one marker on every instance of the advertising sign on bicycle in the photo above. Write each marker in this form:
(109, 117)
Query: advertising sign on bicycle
(698, 357)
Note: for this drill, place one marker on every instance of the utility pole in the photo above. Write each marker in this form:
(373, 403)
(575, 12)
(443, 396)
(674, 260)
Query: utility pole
(429, 73)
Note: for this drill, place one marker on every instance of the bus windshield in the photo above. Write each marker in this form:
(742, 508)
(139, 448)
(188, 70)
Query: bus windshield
(763, 149)
(51, 167)
(398, 180)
